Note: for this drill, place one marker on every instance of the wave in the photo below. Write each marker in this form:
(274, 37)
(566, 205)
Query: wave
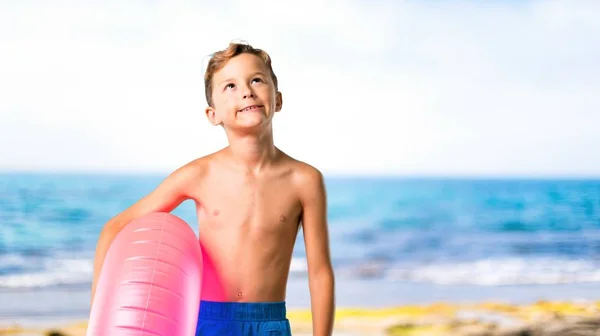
(501, 271)
(45, 273)
(481, 272)
(21, 273)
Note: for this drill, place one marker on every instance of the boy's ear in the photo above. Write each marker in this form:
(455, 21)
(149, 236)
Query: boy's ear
(278, 102)
(211, 114)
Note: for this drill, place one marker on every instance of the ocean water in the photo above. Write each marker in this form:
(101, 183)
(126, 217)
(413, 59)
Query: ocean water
(433, 235)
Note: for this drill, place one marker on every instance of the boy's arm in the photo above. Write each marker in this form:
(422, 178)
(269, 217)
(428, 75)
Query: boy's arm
(316, 241)
(171, 192)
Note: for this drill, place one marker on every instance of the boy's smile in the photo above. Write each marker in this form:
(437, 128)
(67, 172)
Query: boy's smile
(252, 108)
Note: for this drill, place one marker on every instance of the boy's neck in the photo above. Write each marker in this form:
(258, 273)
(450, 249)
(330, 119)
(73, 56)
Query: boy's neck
(252, 152)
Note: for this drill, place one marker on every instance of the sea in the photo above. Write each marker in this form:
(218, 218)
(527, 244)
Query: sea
(394, 240)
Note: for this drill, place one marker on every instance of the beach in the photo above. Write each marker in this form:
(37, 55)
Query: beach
(378, 307)
(411, 256)
(484, 319)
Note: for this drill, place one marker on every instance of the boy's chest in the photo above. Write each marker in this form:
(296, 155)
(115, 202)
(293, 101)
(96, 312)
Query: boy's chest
(269, 204)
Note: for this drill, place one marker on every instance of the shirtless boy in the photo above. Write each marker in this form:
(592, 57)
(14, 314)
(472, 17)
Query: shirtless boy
(251, 199)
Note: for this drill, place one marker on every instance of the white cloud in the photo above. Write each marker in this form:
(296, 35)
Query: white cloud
(447, 88)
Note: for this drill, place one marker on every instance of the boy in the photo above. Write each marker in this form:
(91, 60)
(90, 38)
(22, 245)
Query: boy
(250, 199)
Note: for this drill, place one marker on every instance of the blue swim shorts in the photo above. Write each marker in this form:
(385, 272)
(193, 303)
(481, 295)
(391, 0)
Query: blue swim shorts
(242, 318)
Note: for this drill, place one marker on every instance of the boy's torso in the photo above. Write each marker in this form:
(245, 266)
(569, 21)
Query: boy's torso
(248, 226)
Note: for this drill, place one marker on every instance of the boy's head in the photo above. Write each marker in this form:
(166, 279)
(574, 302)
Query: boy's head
(238, 77)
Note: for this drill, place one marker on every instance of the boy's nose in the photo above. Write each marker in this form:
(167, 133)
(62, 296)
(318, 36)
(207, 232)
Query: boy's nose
(247, 93)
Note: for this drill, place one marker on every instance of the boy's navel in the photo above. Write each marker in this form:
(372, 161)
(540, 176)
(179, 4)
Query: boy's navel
(283, 218)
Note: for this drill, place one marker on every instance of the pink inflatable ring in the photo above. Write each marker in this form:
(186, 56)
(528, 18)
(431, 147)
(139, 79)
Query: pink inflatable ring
(150, 282)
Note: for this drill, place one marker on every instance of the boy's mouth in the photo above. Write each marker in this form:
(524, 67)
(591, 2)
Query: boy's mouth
(250, 108)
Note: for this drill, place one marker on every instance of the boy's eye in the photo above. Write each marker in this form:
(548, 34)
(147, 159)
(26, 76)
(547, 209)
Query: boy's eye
(257, 79)
(229, 86)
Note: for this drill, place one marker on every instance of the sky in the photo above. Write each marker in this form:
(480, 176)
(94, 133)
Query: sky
(447, 88)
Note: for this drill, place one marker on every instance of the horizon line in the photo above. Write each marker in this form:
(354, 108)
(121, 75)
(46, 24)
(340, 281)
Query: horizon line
(327, 174)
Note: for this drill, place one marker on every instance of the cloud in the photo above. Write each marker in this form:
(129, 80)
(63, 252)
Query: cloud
(394, 87)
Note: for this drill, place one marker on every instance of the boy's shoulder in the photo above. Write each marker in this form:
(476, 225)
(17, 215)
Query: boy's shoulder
(301, 171)
(193, 169)
(306, 173)
(201, 164)
(308, 179)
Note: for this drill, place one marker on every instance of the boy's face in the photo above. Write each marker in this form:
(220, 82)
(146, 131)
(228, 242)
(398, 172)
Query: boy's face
(243, 94)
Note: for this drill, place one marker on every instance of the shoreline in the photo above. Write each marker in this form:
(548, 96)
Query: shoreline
(67, 302)
(441, 318)
(363, 307)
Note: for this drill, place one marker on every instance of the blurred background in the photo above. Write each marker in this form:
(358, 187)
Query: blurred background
(459, 139)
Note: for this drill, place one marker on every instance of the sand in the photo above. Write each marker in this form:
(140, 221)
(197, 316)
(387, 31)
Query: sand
(482, 319)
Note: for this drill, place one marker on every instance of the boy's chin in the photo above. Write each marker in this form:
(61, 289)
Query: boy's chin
(248, 126)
